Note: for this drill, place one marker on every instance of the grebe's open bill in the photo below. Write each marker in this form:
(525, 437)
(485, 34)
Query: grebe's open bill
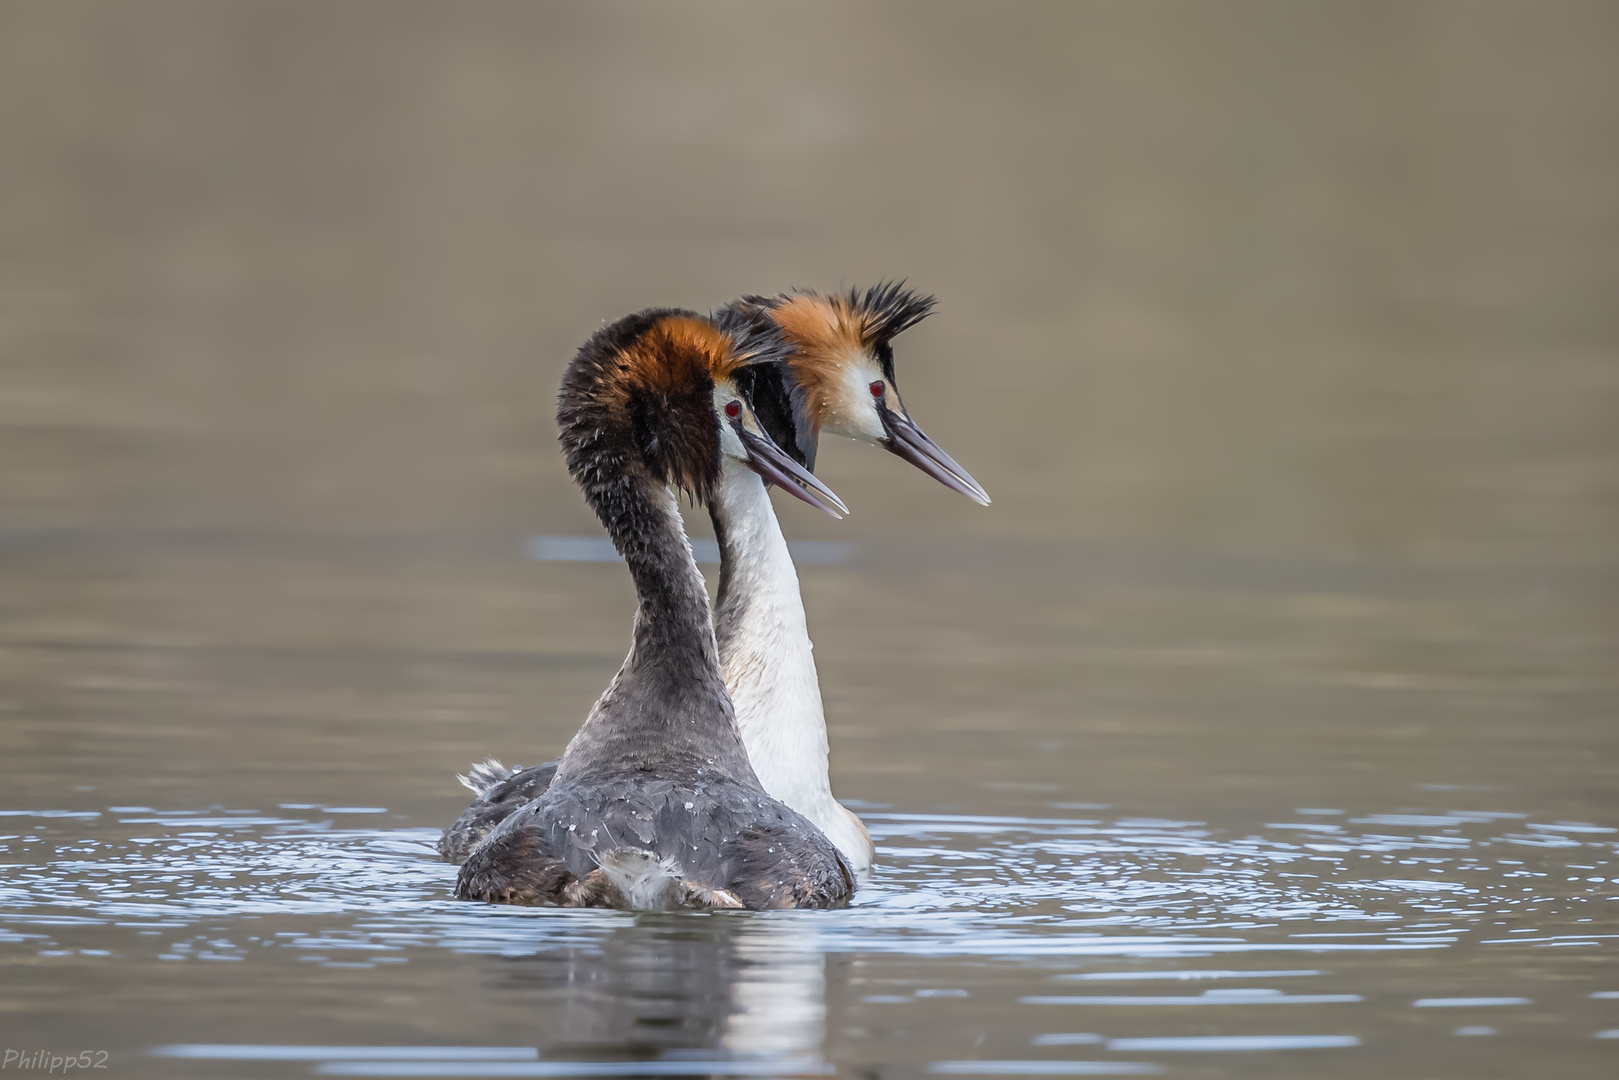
(906, 440)
(771, 462)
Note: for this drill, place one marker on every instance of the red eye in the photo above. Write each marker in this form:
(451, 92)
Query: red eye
(877, 388)
(733, 409)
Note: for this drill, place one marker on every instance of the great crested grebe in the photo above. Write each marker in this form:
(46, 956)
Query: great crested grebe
(837, 376)
(654, 804)
(832, 345)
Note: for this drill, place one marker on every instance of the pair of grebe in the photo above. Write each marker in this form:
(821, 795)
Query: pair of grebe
(700, 777)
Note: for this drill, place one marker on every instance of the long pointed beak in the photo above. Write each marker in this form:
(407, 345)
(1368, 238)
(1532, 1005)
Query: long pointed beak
(771, 462)
(907, 441)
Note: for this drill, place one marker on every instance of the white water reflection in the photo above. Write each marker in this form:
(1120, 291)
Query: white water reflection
(778, 997)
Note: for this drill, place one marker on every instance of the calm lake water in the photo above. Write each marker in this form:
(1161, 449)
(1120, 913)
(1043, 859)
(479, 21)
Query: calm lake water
(1265, 726)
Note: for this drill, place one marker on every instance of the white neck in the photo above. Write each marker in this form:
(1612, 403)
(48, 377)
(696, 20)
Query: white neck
(768, 664)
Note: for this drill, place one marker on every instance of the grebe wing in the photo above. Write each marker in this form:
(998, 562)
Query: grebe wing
(775, 865)
(514, 866)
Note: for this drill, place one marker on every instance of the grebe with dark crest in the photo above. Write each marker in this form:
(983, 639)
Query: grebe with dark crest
(654, 804)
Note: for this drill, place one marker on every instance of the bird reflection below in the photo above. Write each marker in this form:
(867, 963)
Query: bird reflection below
(778, 998)
(682, 988)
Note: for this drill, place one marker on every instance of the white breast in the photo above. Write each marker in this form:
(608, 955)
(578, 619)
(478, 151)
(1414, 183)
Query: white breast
(769, 667)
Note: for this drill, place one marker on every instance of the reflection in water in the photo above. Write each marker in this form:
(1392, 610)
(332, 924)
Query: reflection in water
(659, 986)
(778, 995)
(1069, 903)
(640, 990)
(682, 992)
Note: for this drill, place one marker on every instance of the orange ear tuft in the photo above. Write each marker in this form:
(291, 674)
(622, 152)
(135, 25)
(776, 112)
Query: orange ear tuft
(676, 352)
(669, 375)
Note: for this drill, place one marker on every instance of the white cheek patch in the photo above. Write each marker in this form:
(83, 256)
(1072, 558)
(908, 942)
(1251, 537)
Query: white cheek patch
(730, 442)
(723, 392)
(853, 410)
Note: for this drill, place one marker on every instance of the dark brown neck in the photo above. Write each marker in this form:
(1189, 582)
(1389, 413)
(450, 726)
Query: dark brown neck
(673, 620)
(667, 709)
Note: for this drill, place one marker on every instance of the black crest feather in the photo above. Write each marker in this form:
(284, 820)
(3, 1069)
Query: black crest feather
(889, 308)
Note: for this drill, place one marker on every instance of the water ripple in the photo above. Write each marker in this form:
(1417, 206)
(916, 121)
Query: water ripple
(949, 885)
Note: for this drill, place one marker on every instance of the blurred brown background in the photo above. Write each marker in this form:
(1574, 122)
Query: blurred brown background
(1284, 335)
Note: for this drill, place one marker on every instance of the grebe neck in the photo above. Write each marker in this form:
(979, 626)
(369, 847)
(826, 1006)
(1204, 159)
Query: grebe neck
(668, 703)
(768, 660)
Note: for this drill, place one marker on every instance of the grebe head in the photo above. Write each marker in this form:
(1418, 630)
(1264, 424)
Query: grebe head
(659, 401)
(839, 374)
(635, 406)
(742, 437)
